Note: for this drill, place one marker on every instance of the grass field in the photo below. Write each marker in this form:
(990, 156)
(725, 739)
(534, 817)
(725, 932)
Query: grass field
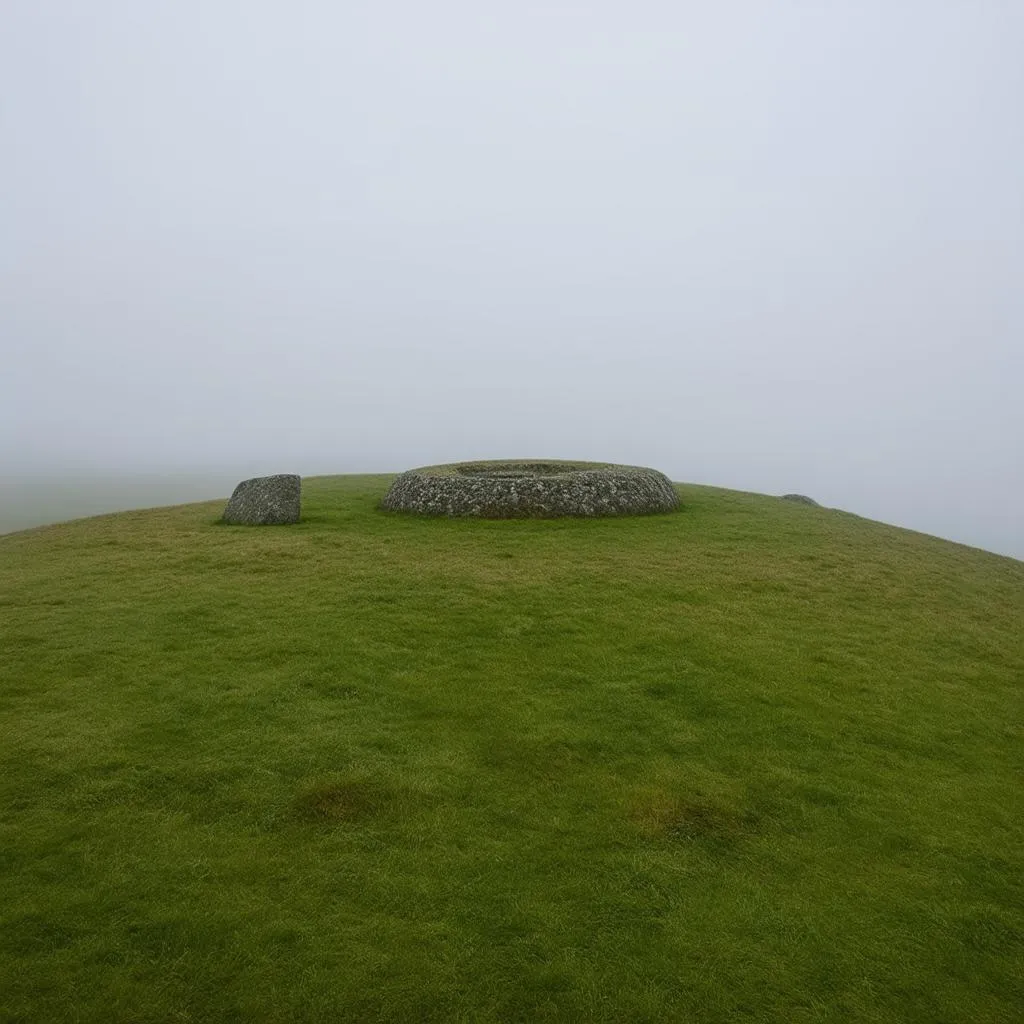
(748, 761)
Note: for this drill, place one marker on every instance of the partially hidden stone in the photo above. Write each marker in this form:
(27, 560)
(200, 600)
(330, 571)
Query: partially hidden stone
(265, 501)
(801, 499)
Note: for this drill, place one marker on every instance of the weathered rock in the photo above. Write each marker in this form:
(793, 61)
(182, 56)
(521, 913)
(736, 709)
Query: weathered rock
(531, 490)
(265, 501)
(801, 498)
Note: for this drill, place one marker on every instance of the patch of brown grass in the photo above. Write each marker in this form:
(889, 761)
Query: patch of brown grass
(691, 818)
(338, 801)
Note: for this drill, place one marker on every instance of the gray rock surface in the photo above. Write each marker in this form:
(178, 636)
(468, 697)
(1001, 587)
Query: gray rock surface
(265, 501)
(801, 499)
(531, 490)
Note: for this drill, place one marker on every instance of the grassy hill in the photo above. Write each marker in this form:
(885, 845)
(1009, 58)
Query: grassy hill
(750, 761)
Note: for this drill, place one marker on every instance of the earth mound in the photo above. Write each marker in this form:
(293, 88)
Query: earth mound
(800, 499)
(531, 490)
(265, 501)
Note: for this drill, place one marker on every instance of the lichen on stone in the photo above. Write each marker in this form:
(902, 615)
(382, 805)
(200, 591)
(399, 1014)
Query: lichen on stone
(531, 489)
(265, 501)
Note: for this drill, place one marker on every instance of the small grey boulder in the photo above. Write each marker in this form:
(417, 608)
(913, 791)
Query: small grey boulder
(265, 501)
(801, 498)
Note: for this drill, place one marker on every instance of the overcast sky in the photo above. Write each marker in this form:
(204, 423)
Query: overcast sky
(776, 246)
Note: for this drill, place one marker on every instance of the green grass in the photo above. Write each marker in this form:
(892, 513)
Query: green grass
(748, 761)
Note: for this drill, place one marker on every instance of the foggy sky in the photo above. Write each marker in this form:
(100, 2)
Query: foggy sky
(777, 246)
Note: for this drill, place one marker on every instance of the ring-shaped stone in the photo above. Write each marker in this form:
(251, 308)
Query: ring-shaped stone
(531, 489)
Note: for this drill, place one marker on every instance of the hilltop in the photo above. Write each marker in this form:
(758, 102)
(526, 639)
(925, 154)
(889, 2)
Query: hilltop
(753, 759)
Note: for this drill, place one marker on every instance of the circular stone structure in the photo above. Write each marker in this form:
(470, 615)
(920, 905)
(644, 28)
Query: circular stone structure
(531, 489)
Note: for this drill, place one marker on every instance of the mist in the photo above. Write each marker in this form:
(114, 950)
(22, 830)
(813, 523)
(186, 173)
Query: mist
(776, 247)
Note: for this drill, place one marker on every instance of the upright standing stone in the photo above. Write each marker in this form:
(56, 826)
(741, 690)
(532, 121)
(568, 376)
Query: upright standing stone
(265, 501)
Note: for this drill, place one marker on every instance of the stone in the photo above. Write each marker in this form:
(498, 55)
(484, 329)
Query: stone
(531, 490)
(265, 501)
(801, 499)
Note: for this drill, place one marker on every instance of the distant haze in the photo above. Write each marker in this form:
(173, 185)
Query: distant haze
(772, 246)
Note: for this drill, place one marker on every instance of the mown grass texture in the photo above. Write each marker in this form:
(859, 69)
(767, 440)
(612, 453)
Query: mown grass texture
(748, 761)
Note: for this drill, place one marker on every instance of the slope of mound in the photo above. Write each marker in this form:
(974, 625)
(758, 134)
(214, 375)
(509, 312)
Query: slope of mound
(753, 760)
